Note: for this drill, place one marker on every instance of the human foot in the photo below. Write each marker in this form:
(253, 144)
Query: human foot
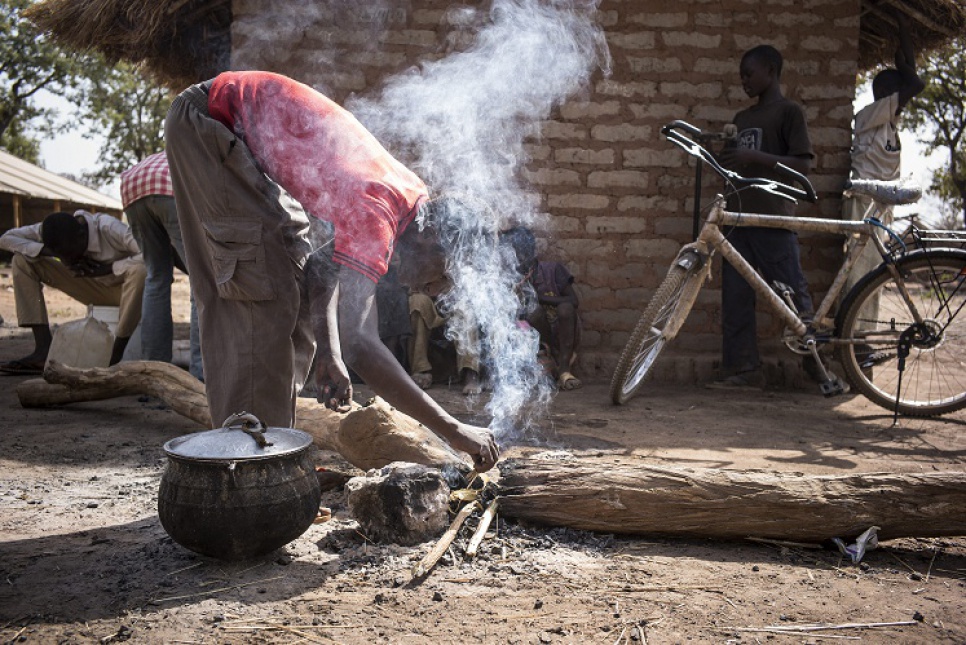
(568, 381)
(424, 380)
(471, 383)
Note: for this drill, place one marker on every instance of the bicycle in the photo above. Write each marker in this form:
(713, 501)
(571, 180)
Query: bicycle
(898, 333)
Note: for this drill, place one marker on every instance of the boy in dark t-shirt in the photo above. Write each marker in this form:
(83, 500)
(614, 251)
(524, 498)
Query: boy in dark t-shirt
(770, 132)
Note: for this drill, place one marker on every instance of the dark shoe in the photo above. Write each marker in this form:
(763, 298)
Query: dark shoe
(753, 380)
(22, 368)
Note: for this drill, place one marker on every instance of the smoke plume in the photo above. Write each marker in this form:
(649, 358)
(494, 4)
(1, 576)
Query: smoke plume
(465, 118)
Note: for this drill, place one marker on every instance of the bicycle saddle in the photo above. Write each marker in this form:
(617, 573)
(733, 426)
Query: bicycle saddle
(885, 192)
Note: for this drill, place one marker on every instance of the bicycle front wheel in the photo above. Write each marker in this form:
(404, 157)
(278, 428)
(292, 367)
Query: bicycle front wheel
(678, 291)
(875, 318)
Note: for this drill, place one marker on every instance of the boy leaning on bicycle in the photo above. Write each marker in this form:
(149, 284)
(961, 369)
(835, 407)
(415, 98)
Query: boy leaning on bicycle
(771, 131)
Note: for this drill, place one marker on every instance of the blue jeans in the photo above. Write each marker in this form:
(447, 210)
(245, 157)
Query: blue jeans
(154, 223)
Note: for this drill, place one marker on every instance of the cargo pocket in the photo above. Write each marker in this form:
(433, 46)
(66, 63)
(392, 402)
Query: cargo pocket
(238, 260)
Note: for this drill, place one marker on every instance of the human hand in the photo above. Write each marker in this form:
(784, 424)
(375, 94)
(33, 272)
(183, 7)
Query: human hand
(479, 444)
(332, 380)
(88, 268)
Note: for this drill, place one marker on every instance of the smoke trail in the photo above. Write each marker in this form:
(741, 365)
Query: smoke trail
(466, 118)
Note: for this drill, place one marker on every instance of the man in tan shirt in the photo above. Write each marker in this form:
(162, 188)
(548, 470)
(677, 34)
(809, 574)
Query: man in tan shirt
(91, 257)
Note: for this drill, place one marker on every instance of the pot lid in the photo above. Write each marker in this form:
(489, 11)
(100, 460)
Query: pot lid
(243, 437)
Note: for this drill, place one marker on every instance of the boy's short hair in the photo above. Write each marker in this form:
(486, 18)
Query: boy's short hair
(886, 82)
(524, 245)
(460, 222)
(63, 234)
(768, 55)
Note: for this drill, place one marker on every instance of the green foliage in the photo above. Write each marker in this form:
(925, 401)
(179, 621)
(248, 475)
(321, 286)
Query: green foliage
(29, 63)
(113, 101)
(128, 111)
(940, 113)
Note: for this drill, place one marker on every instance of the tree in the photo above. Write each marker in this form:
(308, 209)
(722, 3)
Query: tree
(940, 114)
(29, 63)
(128, 111)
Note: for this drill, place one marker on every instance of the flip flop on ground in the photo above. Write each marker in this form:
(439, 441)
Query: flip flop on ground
(22, 367)
(568, 381)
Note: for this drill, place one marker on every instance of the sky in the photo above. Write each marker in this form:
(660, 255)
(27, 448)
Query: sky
(71, 153)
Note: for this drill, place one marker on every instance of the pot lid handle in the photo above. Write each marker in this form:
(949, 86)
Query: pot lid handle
(250, 425)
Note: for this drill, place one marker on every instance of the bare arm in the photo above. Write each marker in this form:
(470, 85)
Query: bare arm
(372, 360)
(332, 377)
(906, 65)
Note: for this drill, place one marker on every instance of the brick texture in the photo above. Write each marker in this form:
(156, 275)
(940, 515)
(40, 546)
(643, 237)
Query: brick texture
(619, 198)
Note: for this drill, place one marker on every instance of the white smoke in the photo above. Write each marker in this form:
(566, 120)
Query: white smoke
(465, 119)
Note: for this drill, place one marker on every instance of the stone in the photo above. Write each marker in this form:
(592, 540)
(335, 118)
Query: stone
(401, 503)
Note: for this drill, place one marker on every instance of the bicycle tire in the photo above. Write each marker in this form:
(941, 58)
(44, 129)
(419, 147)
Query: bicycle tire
(874, 315)
(679, 288)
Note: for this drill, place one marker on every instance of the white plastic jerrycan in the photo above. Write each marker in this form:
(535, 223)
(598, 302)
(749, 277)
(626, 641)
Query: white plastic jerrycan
(82, 343)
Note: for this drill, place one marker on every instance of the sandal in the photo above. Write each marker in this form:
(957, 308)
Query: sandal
(568, 381)
(21, 367)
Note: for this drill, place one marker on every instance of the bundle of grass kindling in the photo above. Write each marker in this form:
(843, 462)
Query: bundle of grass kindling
(179, 42)
(932, 24)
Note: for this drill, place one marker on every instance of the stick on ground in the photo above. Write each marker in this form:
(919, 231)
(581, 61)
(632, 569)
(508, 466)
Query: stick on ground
(429, 561)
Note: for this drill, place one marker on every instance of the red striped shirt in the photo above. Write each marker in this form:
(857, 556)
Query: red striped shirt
(325, 159)
(148, 177)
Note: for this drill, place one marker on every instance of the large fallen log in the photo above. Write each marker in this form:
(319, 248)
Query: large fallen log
(369, 436)
(692, 502)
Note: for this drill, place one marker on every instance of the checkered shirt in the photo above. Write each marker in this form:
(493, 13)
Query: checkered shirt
(148, 177)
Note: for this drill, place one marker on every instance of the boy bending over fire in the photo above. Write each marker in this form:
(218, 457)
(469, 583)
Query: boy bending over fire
(254, 157)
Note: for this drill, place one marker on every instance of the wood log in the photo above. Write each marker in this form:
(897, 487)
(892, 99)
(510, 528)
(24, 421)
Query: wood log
(692, 502)
(62, 384)
(369, 436)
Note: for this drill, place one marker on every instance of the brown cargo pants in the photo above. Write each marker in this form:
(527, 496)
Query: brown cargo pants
(246, 245)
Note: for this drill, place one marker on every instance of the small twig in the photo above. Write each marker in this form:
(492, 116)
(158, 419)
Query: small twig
(902, 562)
(640, 632)
(214, 591)
(621, 637)
(935, 552)
(485, 520)
(665, 588)
(17, 635)
(723, 597)
(193, 566)
(818, 628)
(800, 545)
(774, 630)
(423, 567)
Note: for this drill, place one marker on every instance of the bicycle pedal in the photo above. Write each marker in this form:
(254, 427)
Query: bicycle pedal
(834, 387)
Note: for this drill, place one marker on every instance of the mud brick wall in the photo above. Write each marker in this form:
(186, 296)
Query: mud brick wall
(620, 198)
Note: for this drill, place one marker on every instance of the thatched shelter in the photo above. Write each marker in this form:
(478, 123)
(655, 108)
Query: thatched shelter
(932, 23)
(181, 42)
(178, 42)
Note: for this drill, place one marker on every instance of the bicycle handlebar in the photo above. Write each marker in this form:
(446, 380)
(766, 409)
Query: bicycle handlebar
(672, 131)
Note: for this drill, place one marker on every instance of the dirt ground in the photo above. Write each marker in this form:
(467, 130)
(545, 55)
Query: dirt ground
(84, 559)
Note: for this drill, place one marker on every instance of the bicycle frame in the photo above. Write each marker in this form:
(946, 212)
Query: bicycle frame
(711, 239)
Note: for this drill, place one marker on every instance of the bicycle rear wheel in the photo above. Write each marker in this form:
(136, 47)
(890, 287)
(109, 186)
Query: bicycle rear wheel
(678, 290)
(875, 315)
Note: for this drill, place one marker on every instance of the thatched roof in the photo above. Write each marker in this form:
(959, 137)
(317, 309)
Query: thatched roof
(932, 23)
(181, 42)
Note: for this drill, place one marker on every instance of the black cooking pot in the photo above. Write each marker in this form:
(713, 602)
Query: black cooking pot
(239, 491)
